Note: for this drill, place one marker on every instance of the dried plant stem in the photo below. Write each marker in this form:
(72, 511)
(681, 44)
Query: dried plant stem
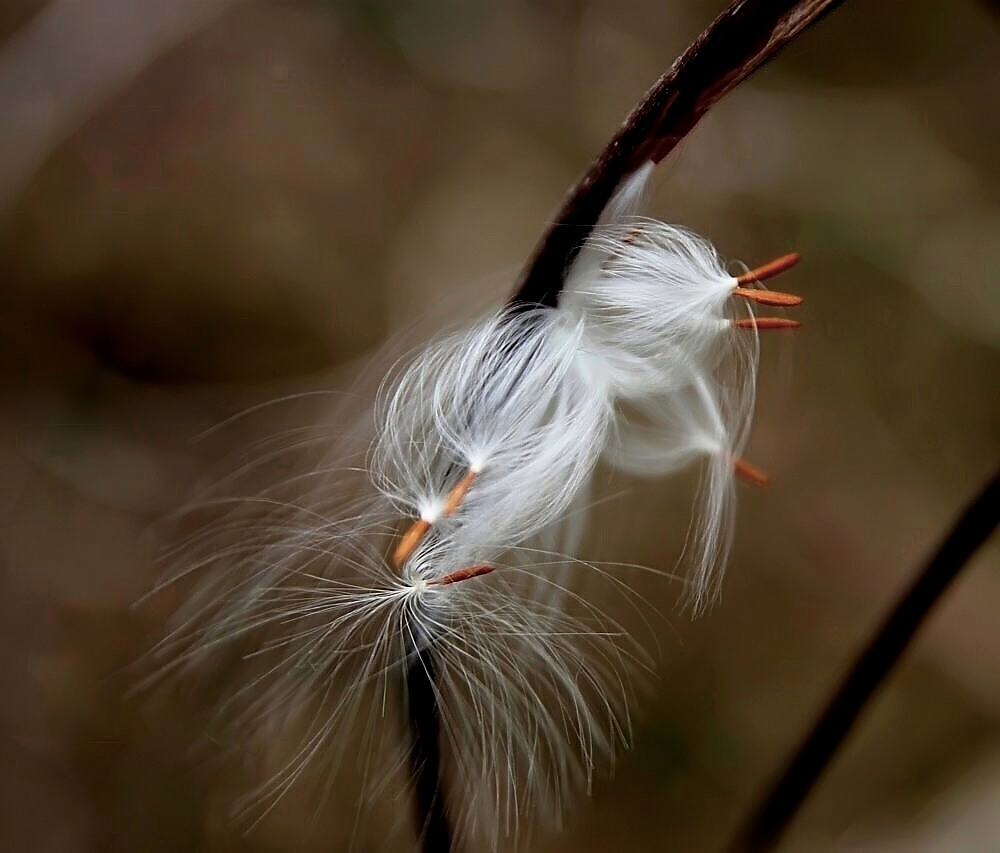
(771, 819)
(742, 39)
(433, 827)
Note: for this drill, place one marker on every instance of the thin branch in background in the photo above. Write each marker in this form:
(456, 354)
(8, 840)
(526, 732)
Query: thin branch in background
(771, 819)
(741, 40)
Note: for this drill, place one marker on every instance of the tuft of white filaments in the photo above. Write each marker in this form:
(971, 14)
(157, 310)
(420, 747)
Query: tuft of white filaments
(506, 402)
(453, 528)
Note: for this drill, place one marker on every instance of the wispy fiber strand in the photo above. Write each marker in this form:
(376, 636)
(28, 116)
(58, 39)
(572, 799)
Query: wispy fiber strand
(769, 822)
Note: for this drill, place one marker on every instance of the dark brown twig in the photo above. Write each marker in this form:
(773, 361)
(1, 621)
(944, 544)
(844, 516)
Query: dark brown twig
(433, 825)
(770, 820)
(742, 39)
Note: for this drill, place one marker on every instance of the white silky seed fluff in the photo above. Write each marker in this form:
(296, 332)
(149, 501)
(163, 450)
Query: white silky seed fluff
(638, 364)
(505, 400)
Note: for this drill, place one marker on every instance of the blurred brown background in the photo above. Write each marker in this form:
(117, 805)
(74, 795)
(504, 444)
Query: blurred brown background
(206, 205)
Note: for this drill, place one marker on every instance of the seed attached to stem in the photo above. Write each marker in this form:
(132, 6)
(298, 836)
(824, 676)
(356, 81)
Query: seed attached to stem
(461, 575)
(418, 530)
(746, 472)
(773, 298)
(764, 324)
(409, 541)
(458, 493)
(769, 270)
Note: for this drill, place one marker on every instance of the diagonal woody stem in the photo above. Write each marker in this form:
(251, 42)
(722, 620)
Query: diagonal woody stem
(771, 819)
(742, 39)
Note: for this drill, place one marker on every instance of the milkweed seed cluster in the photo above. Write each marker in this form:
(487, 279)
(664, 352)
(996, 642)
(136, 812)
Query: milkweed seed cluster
(453, 527)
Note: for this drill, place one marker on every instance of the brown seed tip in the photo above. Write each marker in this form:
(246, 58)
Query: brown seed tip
(746, 472)
(770, 270)
(461, 575)
(458, 493)
(408, 544)
(768, 297)
(766, 323)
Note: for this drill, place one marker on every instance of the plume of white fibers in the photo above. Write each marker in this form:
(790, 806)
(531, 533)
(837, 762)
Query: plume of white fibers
(656, 305)
(657, 313)
(483, 449)
(505, 401)
(299, 619)
(702, 423)
(532, 690)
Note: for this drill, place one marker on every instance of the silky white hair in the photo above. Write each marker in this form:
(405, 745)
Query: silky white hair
(506, 401)
(479, 452)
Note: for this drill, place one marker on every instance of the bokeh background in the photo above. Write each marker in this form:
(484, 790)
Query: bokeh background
(208, 205)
